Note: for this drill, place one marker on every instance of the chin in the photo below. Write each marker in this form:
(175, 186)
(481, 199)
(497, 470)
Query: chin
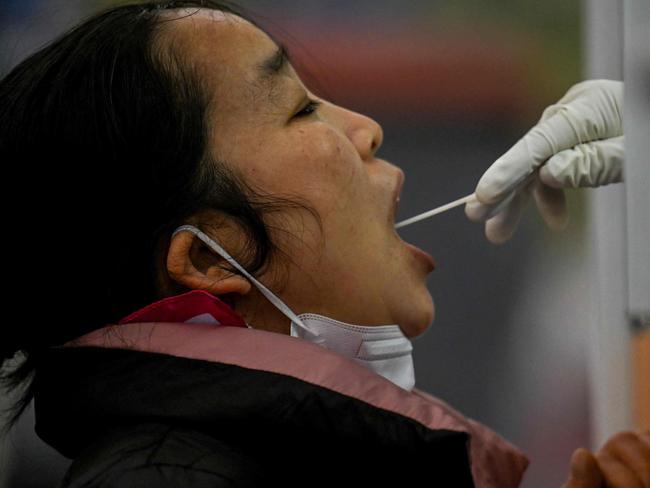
(420, 318)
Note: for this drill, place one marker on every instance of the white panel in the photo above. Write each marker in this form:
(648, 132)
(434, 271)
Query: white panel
(609, 358)
(637, 155)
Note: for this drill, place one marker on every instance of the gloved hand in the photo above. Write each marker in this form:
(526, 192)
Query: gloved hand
(578, 142)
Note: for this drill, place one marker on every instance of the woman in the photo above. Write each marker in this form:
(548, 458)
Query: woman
(187, 171)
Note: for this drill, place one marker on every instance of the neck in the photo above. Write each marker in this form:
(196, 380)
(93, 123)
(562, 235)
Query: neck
(259, 313)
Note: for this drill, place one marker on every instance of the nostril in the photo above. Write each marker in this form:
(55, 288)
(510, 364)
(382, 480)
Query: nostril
(376, 142)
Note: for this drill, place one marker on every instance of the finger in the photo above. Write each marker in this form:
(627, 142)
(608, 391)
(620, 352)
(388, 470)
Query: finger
(502, 226)
(554, 134)
(585, 472)
(586, 165)
(633, 452)
(551, 203)
(616, 473)
(479, 212)
(645, 437)
(594, 107)
(547, 177)
(573, 93)
(588, 112)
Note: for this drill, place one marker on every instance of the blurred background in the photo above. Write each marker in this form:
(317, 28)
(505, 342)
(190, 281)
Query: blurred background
(454, 84)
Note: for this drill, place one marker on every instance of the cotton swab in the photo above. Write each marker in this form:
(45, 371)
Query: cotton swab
(435, 211)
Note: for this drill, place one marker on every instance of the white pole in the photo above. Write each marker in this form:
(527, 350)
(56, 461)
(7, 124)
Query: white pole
(636, 120)
(610, 336)
(637, 157)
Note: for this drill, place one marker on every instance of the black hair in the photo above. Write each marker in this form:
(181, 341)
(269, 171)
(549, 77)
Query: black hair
(103, 137)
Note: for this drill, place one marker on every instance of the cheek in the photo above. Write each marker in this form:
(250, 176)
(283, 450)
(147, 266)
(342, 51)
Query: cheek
(326, 160)
(315, 162)
(308, 159)
(322, 146)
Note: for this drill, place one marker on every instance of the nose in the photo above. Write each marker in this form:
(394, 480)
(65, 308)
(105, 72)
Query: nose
(366, 134)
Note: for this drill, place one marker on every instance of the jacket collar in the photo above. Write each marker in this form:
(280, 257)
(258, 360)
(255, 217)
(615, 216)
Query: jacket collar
(247, 385)
(193, 307)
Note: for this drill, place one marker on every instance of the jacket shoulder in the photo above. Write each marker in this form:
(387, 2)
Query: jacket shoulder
(161, 455)
(162, 476)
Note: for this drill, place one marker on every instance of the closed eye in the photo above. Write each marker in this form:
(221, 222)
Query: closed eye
(310, 108)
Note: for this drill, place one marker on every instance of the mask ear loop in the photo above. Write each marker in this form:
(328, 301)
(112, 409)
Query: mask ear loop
(311, 335)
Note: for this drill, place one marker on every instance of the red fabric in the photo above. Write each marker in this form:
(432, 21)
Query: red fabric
(190, 306)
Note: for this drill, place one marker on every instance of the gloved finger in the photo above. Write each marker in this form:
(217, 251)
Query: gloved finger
(502, 226)
(586, 165)
(551, 203)
(555, 134)
(589, 111)
(479, 212)
(600, 100)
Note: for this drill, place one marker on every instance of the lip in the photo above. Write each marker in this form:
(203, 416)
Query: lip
(423, 256)
(396, 193)
(417, 252)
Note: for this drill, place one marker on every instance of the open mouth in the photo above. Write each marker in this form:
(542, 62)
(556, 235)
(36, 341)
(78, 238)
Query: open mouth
(422, 256)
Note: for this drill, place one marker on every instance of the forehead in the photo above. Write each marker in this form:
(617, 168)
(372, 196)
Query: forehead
(224, 46)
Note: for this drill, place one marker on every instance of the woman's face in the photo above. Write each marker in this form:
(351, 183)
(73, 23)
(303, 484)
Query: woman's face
(359, 270)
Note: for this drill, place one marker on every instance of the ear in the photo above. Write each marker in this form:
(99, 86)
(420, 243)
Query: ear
(188, 265)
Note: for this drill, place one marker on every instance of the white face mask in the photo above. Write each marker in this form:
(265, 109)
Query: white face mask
(382, 348)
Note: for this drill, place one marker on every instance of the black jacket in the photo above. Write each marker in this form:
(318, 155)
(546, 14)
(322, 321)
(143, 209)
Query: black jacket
(173, 404)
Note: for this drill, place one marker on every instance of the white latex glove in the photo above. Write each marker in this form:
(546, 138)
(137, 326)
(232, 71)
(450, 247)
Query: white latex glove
(578, 142)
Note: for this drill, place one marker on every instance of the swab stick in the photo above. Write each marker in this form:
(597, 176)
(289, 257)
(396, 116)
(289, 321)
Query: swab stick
(435, 211)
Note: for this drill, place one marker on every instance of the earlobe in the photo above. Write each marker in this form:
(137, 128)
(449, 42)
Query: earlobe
(182, 269)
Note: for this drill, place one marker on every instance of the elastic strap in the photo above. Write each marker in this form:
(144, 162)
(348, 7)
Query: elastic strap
(311, 335)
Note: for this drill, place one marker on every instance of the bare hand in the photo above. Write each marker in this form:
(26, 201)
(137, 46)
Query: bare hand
(623, 462)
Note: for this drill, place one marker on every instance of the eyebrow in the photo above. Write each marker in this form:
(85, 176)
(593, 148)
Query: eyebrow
(271, 67)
